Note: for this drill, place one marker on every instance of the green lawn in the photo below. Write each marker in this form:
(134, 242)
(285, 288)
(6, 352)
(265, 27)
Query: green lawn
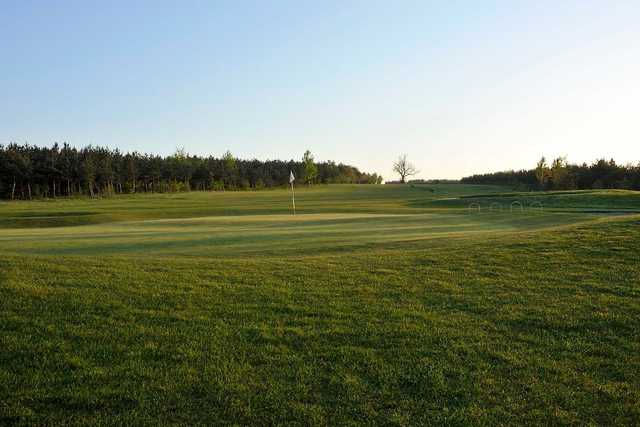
(392, 305)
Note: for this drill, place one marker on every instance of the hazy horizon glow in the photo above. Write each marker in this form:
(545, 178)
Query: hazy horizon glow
(461, 88)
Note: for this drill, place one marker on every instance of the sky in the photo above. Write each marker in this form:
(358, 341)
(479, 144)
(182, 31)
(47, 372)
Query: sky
(461, 87)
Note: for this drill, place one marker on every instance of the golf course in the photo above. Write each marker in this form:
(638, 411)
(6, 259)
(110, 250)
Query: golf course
(423, 304)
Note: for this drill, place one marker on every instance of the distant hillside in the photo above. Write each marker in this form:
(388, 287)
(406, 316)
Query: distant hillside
(426, 181)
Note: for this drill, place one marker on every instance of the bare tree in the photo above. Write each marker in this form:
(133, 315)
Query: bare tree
(403, 168)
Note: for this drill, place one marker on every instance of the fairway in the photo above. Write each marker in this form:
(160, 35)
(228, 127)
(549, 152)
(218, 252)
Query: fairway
(394, 304)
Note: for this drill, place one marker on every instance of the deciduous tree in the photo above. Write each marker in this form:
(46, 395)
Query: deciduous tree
(404, 168)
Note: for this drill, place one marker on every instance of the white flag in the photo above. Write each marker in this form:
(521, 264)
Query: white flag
(291, 177)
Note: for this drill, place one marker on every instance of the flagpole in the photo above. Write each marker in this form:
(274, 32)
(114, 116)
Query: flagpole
(293, 198)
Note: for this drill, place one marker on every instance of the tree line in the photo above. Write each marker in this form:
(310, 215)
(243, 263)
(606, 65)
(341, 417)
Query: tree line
(29, 171)
(562, 175)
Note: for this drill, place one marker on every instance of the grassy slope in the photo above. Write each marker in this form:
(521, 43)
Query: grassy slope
(330, 218)
(414, 322)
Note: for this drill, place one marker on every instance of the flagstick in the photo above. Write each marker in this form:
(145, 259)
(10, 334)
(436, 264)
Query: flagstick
(293, 198)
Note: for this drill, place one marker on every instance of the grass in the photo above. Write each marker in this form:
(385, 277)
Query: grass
(376, 305)
(322, 199)
(605, 201)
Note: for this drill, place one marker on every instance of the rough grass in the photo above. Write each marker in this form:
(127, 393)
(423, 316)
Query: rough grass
(387, 314)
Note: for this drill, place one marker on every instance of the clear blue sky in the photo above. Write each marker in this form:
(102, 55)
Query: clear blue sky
(461, 87)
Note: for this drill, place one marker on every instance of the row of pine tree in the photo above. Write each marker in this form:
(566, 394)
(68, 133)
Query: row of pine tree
(29, 171)
(562, 175)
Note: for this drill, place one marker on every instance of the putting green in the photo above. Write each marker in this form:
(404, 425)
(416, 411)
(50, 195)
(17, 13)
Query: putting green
(222, 236)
